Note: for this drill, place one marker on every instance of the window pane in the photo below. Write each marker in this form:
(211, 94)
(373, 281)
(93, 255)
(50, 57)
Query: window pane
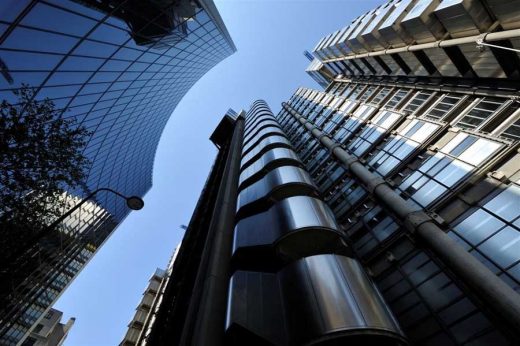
(506, 204)
(452, 173)
(54, 19)
(428, 193)
(513, 131)
(503, 247)
(479, 151)
(478, 226)
(35, 40)
(480, 113)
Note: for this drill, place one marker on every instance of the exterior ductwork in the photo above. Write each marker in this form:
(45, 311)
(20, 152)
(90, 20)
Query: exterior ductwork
(292, 228)
(381, 210)
(316, 300)
(291, 241)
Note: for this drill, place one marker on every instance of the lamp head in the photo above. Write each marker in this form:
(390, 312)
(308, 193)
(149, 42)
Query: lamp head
(135, 203)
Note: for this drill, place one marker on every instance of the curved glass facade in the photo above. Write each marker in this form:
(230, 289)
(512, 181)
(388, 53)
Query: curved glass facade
(119, 68)
(121, 83)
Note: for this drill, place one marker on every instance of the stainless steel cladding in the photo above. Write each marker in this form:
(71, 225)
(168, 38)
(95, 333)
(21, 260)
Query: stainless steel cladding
(293, 281)
(273, 158)
(278, 182)
(463, 18)
(290, 229)
(251, 134)
(370, 35)
(424, 188)
(264, 145)
(428, 38)
(391, 31)
(261, 134)
(507, 12)
(315, 300)
(421, 24)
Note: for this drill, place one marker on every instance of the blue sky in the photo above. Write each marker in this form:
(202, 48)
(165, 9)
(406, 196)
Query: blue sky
(271, 36)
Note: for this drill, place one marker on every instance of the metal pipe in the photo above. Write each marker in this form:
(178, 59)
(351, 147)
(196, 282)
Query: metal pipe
(483, 44)
(210, 317)
(498, 298)
(489, 37)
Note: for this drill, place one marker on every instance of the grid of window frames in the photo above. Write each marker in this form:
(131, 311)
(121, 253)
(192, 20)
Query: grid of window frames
(492, 232)
(437, 142)
(116, 80)
(97, 72)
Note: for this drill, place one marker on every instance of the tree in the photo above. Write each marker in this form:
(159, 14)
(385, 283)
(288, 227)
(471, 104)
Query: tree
(41, 156)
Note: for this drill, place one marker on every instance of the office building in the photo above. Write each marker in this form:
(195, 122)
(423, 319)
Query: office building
(119, 68)
(50, 331)
(144, 310)
(401, 167)
(144, 316)
(472, 40)
(261, 218)
(382, 210)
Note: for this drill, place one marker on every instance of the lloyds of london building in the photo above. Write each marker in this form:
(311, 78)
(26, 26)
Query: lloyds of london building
(384, 209)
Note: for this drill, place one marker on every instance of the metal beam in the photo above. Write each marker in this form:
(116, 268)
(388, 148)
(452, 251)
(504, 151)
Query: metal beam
(210, 313)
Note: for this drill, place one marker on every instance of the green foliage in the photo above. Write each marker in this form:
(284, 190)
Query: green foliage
(40, 156)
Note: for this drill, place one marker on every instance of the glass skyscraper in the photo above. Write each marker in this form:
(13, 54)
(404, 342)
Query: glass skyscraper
(381, 210)
(119, 67)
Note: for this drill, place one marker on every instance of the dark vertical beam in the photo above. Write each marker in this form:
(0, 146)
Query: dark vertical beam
(426, 62)
(383, 65)
(402, 64)
(209, 313)
(508, 60)
(170, 318)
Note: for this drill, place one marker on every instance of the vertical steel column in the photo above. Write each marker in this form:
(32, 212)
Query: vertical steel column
(171, 317)
(498, 298)
(209, 317)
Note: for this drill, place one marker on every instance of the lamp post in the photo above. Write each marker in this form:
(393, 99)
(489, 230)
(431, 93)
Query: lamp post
(133, 202)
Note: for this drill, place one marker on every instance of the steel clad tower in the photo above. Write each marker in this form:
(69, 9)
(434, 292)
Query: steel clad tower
(263, 260)
(382, 210)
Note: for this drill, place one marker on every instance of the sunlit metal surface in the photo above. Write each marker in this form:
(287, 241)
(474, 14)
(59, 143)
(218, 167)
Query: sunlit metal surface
(289, 177)
(324, 297)
(273, 157)
(292, 228)
(267, 142)
(261, 135)
(255, 129)
(463, 17)
(453, 154)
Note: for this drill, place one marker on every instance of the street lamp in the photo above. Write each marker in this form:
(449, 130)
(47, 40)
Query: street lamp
(132, 202)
